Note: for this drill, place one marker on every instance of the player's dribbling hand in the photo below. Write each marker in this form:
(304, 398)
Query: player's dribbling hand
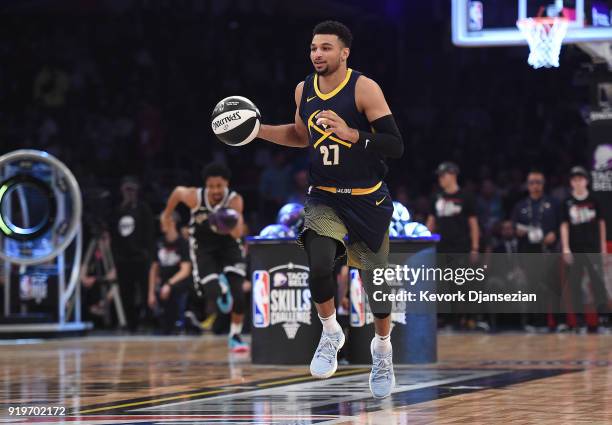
(333, 123)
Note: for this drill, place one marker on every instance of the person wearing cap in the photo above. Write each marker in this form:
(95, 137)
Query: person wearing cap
(453, 216)
(132, 239)
(583, 241)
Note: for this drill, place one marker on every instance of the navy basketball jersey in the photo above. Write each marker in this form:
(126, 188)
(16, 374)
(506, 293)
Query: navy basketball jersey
(199, 227)
(335, 162)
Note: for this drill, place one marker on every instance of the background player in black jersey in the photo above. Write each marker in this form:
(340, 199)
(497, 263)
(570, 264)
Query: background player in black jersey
(343, 119)
(217, 259)
(583, 242)
(169, 276)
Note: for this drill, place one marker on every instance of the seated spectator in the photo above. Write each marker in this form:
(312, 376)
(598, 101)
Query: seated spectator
(99, 279)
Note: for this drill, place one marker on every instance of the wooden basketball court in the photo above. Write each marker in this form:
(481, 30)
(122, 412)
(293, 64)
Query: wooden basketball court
(508, 378)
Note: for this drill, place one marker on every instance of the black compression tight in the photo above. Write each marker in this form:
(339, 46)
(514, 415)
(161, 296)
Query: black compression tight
(380, 309)
(321, 252)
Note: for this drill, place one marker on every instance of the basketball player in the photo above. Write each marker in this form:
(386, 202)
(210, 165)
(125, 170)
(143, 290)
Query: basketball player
(343, 120)
(217, 259)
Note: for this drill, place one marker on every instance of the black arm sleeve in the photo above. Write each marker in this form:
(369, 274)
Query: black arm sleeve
(386, 140)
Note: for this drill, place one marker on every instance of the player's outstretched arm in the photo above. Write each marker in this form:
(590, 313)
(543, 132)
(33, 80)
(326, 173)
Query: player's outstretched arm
(186, 195)
(294, 135)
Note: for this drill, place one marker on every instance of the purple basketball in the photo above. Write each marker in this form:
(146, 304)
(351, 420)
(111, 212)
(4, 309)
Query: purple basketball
(291, 215)
(274, 231)
(223, 220)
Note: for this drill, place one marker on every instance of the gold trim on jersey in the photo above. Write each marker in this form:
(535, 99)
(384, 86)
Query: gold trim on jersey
(324, 134)
(326, 96)
(364, 191)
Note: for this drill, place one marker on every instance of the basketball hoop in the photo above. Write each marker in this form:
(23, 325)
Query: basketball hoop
(545, 36)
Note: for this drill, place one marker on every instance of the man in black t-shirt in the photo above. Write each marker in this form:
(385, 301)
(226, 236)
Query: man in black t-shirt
(583, 239)
(132, 237)
(169, 276)
(453, 216)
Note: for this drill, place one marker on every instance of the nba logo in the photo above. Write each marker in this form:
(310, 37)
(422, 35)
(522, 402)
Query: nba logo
(358, 314)
(261, 299)
(475, 16)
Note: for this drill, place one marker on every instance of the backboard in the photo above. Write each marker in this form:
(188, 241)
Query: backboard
(493, 22)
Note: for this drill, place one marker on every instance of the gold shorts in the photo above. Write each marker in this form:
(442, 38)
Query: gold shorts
(323, 220)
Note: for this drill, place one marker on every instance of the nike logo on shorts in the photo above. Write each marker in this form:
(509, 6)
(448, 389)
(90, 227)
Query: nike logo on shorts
(366, 143)
(379, 202)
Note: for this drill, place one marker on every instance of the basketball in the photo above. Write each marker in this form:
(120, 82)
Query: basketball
(400, 212)
(236, 121)
(276, 231)
(223, 221)
(419, 230)
(400, 218)
(292, 216)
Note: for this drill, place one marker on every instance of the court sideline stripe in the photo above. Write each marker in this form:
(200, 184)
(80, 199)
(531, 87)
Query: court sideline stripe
(138, 403)
(185, 395)
(310, 378)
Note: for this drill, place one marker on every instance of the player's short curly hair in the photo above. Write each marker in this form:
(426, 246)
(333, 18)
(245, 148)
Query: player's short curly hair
(216, 169)
(336, 28)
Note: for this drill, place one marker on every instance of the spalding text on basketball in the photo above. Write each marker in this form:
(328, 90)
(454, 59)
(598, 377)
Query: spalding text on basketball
(226, 119)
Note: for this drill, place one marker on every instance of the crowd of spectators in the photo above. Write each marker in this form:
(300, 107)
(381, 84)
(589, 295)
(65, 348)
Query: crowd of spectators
(126, 87)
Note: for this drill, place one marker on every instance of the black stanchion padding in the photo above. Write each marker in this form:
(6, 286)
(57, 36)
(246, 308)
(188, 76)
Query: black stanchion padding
(414, 332)
(286, 328)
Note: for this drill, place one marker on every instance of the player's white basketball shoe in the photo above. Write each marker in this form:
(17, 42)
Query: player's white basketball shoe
(382, 378)
(325, 360)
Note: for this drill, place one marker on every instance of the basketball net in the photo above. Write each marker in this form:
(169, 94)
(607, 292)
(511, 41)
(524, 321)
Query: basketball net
(545, 36)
